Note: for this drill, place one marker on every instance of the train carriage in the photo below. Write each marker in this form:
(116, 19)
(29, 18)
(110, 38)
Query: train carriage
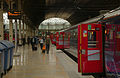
(106, 46)
(74, 49)
(59, 40)
(112, 49)
(53, 38)
(70, 40)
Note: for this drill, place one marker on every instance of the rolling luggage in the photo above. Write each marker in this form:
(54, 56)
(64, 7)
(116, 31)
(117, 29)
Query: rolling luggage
(35, 48)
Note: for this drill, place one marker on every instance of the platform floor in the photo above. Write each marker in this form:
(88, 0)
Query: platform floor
(35, 64)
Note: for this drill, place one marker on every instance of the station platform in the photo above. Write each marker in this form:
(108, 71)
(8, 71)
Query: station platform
(35, 64)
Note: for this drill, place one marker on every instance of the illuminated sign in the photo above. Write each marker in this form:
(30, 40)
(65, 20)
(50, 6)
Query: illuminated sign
(14, 15)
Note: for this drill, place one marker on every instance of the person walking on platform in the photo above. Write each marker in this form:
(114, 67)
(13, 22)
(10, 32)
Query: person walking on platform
(23, 41)
(47, 44)
(33, 43)
(28, 40)
(41, 43)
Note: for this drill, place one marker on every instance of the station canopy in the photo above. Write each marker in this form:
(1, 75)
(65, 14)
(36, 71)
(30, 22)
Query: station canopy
(54, 24)
(74, 11)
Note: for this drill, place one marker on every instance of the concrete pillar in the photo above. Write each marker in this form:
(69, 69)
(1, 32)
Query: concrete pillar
(20, 38)
(10, 30)
(1, 22)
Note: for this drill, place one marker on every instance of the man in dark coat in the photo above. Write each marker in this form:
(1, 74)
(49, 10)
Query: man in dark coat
(33, 42)
(47, 44)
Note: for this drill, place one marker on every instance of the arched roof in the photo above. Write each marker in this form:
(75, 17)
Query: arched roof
(73, 11)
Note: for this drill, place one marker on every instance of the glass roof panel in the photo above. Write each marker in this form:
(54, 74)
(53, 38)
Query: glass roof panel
(54, 23)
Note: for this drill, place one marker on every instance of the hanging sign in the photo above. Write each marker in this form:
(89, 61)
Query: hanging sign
(14, 15)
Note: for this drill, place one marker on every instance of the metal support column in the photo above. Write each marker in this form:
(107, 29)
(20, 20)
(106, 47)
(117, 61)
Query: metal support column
(10, 30)
(32, 32)
(29, 34)
(23, 30)
(1, 22)
(20, 38)
(26, 33)
(15, 36)
(36, 32)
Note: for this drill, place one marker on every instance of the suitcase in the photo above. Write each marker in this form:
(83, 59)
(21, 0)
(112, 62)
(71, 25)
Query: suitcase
(34, 48)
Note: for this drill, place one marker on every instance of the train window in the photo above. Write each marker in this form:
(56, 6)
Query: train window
(109, 34)
(60, 37)
(92, 39)
(91, 36)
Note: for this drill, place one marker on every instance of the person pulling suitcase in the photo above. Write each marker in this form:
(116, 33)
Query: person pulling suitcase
(47, 44)
(33, 43)
(41, 43)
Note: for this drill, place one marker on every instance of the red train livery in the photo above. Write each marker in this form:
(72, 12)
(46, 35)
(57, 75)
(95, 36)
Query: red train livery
(96, 49)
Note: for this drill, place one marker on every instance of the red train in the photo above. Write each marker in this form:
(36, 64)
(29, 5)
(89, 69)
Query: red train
(89, 54)
(59, 40)
(97, 46)
(53, 38)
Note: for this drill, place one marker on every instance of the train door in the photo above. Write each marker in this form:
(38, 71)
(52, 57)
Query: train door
(91, 49)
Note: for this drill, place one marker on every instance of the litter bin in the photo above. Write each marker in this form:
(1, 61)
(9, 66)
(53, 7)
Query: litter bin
(2, 50)
(8, 54)
(11, 53)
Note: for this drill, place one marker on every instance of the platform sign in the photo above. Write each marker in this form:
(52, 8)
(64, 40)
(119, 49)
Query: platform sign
(91, 49)
(14, 15)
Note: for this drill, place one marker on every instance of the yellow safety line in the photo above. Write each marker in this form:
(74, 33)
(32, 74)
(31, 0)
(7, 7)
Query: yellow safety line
(80, 48)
